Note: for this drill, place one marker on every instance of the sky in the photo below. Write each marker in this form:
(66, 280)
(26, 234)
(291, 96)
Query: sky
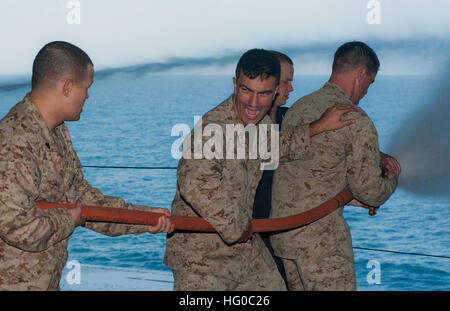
(410, 36)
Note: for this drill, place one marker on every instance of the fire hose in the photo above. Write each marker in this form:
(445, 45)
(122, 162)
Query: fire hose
(125, 216)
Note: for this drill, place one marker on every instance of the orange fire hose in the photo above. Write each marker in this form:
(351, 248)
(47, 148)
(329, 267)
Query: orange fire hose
(119, 215)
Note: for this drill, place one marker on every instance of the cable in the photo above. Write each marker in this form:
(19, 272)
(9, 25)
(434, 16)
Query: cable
(403, 253)
(174, 168)
(134, 167)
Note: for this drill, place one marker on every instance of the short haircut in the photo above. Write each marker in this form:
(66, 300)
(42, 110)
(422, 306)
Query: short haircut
(282, 57)
(57, 59)
(353, 54)
(259, 63)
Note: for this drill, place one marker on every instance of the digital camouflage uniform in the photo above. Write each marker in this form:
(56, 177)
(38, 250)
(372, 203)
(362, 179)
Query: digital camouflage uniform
(319, 256)
(222, 192)
(40, 165)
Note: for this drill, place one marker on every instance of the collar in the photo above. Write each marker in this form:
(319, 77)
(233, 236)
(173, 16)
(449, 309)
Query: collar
(46, 136)
(335, 89)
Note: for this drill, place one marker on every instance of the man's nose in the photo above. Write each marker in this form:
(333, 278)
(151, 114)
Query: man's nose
(254, 100)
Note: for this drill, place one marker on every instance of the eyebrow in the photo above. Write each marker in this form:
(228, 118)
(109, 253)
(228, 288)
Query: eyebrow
(266, 91)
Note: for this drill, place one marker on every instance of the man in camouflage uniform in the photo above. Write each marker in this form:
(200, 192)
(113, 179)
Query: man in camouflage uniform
(38, 163)
(263, 196)
(222, 191)
(319, 256)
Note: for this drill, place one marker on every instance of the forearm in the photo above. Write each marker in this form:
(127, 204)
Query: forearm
(315, 128)
(113, 229)
(216, 194)
(363, 171)
(373, 191)
(295, 143)
(89, 195)
(36, 233)
(22, 223)
(25, 226)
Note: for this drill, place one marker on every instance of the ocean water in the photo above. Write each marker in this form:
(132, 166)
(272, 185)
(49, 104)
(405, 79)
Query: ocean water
(128, 119)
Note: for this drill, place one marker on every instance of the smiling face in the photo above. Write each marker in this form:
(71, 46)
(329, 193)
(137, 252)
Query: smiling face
(253, 97)
(285, 87)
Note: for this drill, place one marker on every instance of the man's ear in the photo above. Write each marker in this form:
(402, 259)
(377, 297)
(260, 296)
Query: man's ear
(360, 72)
(235, 85)
(276, 92)
(67, 86)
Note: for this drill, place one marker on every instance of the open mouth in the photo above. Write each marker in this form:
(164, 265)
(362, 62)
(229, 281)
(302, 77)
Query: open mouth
(252, 113)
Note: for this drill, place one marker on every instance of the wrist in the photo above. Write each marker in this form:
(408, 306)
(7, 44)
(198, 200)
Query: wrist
(315, 128)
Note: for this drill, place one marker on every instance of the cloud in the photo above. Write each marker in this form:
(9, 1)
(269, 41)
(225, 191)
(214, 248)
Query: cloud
(125, 33)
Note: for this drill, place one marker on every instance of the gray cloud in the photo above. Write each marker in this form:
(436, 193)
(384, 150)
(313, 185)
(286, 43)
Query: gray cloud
(126, 33)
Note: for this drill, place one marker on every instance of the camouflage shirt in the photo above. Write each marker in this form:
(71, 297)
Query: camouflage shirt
(344, 158)
(222, 191)
(40, 165)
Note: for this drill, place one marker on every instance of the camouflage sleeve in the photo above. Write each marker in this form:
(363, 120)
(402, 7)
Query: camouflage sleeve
(88, 195)
(214, 191)
(363, 165)
(22, 223)
(295, 143)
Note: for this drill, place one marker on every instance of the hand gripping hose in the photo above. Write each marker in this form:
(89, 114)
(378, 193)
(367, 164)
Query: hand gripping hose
(119, 215)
